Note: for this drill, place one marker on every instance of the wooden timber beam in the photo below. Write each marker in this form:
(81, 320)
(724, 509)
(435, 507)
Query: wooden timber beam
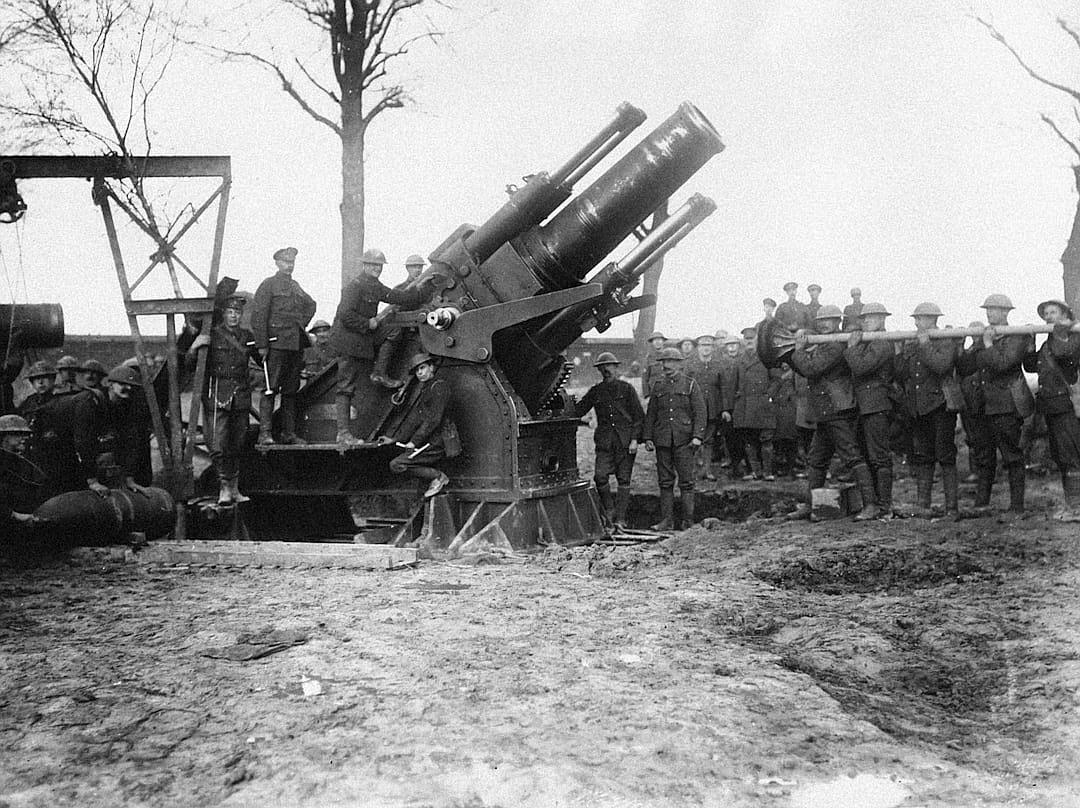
(75, 166)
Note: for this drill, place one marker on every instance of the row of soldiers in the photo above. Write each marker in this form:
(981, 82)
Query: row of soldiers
(855, 391)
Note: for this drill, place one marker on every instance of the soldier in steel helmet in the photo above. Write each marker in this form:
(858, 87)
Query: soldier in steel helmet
(619, 421)
(42, 414)
(872, 366)
(280, 312)
(832, 402)
(67, 369)
(427, 433)
(391, 338)
(42, 378)
(996, 360)
(319, 355)
(1056, 365)
(14, 434)
(91, 375)
(675, 428)
(354, 332)
(926, 369)
(228, 394)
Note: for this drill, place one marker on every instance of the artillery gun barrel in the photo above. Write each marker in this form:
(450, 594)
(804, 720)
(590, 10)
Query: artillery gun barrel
(37, 325)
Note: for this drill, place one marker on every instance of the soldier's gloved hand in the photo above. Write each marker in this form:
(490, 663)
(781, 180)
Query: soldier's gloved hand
(988, 337)
(854, 339)
(373, 323)
(383, 440)
(263, 353)
(632, 448)
(649, 446)
(98, 488)
(725, 416)
(696, 443)
(201, 341)
(131, 485)
(800, 338)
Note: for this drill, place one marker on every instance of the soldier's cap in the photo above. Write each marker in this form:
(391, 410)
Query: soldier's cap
(706, 338)
(14, 425)
(125, 374)
(672, 354)
(926, 309)
(418, 360)
(874, 308)
(39, 370)
(829, 312)
(1059, 303)
(606, 358)
(93, 366)
(286, 254)
(856, 291)
(731, 340)
(415, 260)
(997, 301)
(790, 285)
(656, 335)
(318, 325)
(812, 287)
(236, 302)
(976, 324)
(768, 302)
(749, 331)
(67, 362)
(373, 256)
(720, 334)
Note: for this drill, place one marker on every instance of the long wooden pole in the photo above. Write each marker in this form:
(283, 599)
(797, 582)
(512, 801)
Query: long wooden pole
(933, 333)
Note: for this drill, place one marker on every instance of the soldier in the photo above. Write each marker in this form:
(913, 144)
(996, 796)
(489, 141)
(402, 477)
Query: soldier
(748, 402)
(872, 366)
(319, 354)
(814, 306)
(393, 337)
(108, 435)
(14, 432)
(228, 394)
(280, 313)
(674, 428)
(704, 367)
(769, 307)
(42, 378)
(619, 419)
(1006, 401)
(653, 371)
(852, 310)
(427, 433)
(353, 332)
(726, 381)
(91, 375)
(1056, 364)
(793, 314)
(925, 369)
(67, 368)
(786, 437)
(832, 402)
(687, 347)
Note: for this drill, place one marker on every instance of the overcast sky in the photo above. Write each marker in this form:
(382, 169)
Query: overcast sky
(890, 145)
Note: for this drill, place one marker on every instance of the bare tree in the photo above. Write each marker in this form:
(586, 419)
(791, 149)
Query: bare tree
(352, 87)
(1070, 258)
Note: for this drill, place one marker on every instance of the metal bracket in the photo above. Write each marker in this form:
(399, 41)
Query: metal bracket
(469, 338)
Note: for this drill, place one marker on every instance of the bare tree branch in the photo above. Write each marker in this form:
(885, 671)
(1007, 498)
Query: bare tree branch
(999, 37)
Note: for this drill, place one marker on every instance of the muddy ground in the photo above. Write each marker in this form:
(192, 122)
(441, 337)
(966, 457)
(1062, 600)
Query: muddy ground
(764, 663)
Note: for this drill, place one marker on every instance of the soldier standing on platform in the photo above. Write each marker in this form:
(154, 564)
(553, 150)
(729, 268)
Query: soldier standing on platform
(319, 355)
(619, 420)
(1056, 364)
(872, 369)
(704, 367)
(67, 368)
(674, 428)
(228, 394)
(280, 313)
(1005, 402)
(832, 401)
(852, 310)
(768, 305)
(353, 332)
(814, 306)
(925, 368)
(793, 314)
(653, 370)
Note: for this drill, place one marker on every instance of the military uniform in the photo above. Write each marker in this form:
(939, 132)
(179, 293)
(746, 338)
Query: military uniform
(619, 420)
(872, 368)
(316, 359)
(851, 316)
(750, 400)
(228, 400)
(725, 429)
(1056, 363)
(786, 437)
(707, 374)
(794, 315)
(425, 427)
(676, 415)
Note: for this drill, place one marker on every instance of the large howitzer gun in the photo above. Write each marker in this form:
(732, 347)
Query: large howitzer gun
(512, 294)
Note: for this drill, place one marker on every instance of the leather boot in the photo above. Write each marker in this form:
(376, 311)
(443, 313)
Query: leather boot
(815, 478)
(225, 496)
(266, 418)
(984, 484)
(234, 489)
(1070, 485)
(288, 422)
(687, 509)
(951, 482)
(341, 411)
(767, 472)
(865, 480)
(607, 506)
(380, 374)
(622, 504)
(884, 492)
(924, 487)
(667, 510)
(1017, 483)
(755, 468)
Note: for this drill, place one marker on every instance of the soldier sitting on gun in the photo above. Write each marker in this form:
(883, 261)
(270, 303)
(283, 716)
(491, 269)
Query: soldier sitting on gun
(108, 433)
(14, 432)
(427, 434)
(67, 368)
(619, 419)
(43, 412)
(394, 336)
(353, 332)
(319, 355)
(228, 394)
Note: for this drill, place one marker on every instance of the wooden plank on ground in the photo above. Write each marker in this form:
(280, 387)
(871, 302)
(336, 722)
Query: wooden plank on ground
(278, 554)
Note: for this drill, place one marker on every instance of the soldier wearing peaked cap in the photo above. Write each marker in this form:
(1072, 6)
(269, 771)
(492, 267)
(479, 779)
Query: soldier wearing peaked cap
(280, 312)
(926, 369)
(228, 394)
(793, 313)
(705, 367)
(354, 332)
(619, 420)
(832, 402)
(815, 304)
(653, 371)
(1056, 363)
(1004, 401)
(674, 427)
(750, 402)
(852, 310)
